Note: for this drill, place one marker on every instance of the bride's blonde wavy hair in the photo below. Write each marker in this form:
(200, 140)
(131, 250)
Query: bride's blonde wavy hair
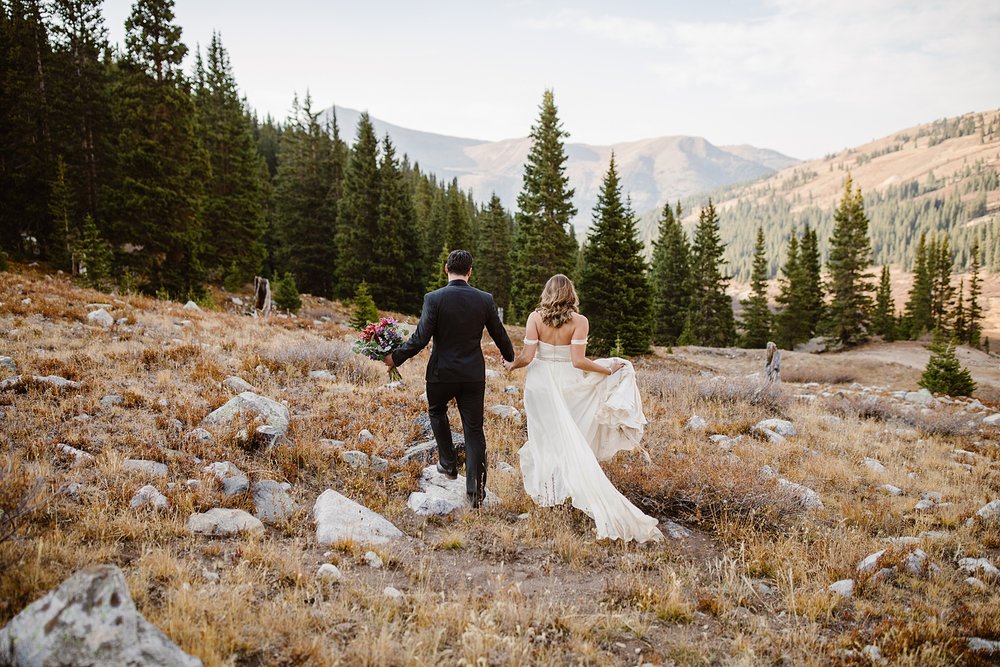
(559, 301)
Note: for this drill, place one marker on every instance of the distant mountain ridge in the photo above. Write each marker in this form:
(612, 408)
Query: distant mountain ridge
(652, 170)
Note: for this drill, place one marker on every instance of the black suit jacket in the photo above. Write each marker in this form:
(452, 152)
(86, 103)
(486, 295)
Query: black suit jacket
(454, 317)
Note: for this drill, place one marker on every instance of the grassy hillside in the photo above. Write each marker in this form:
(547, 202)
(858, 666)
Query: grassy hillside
(515, 584)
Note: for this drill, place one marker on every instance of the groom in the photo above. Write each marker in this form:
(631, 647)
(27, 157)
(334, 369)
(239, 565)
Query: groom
(454, 317)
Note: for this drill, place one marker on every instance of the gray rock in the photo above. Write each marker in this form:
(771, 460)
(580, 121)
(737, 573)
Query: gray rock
(223, 469)
(365, 435)
(101, 318)
(274, 504)
(111, 400)
(695, 423)
(331, 444)
(339, 518)
(394, 595)
(503, 466)
(808, 498)
(199, 435)
(223, 522)
(237, 384)
(992, 420)
(235, 485)
(892, 490)
(90, 620)
(844, 587)
(724, 441)
(675, 530)
(988, 512)
(873, 653)
(917, 562)
(874, 465)
(78, 454)
(8, 363)
(985, 646)
(435, 487)
(355, 459)
(511, 389)
(273, 413)
(922, 397)
(379, 464)
(329, 571)
(768, 472)
(870, 562)
(191, 305)
(782, 427)
(924, 505)
(490, 374)
(978, 566)
(506, 412)
(373, 560)
(977, 583)
(54, 381)
(151, 468)
(149, 496)
(322, 375)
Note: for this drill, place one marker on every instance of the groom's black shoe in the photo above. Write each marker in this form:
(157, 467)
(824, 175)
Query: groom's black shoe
(450, 474)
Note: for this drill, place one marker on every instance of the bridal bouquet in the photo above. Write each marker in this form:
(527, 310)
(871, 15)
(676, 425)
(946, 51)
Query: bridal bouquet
(379, 339)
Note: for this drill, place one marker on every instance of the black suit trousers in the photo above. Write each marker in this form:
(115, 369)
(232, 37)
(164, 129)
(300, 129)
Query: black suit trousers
(470, 397)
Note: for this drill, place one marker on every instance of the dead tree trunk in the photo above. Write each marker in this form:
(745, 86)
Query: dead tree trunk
(772, 367)
(261, 296)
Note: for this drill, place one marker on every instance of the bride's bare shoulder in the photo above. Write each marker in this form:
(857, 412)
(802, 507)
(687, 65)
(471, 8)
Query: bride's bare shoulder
(580, 319)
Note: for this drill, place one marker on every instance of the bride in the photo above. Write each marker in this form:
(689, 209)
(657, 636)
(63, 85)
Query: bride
(578, 410)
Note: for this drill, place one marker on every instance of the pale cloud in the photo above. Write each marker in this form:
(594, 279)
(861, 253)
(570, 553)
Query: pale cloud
(627, 31)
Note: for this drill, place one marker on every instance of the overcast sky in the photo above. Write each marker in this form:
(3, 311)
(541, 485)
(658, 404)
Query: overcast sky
(805, 77)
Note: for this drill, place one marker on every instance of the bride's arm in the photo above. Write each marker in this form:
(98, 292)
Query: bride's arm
(527, 352)
(578, 350)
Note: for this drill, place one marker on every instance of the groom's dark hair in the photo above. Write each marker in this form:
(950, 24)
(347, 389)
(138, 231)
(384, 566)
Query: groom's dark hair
(459, 262)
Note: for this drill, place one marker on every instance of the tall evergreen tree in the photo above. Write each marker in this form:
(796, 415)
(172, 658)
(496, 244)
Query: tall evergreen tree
(942, 293)
(234, 204)
(850, 256)
(756, 314)
(974, 311)
(883, 317)
(157, 198)
(459, 225)
(65, 231)
(358, 217)
(791, 327)
(670, 278)
(544, 241)
(305, 207)
(711, 311)
(396, 267)
(493, 253)
(810, 268)
(918, 304)
(960, 323)
(93, 254)
(614, 290)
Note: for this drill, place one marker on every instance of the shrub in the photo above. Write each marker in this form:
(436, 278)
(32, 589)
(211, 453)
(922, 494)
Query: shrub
(286, 294)
(944, 373)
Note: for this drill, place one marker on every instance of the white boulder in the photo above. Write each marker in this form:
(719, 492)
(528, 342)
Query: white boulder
(339, 518)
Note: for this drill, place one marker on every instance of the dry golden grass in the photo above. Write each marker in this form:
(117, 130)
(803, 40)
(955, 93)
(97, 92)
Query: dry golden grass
(510, 585)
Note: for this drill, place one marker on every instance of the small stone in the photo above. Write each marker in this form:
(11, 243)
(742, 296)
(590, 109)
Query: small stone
(237, 384)
(506, 412)
(373, 560)
(872, 652)
(101, 318)
(191, 305)
(8, 363)
(869, 562)
(503, 466)
(111, 400)
(329, 571)
(149, 496)
(976, 583)
(355, 459)
(768, 472)
(78, 454)
(782, 427)
(365, 435)
(922, 397)
(695, 423)
(675, 530)
(978, 566)
(235, 486)
(322, 375)
(490, 374)
(338, 517)
(199, 435)
(988, 512)
(844, 587)
(331, 444)
(992, 420)
(892, 490)
(806, 496)
(152, 468)
(986, 646)
(379, 464)
(223, 522)
(394, 595)
(511, 389)
(874, 465)
(923, 505)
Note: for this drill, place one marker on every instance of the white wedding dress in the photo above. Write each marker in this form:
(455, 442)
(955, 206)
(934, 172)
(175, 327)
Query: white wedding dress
(574, 419)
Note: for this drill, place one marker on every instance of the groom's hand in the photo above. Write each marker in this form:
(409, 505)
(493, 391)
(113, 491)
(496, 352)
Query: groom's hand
(389, 362)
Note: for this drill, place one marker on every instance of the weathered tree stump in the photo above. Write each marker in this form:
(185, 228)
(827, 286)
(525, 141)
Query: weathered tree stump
(772, 366)
(261, 296)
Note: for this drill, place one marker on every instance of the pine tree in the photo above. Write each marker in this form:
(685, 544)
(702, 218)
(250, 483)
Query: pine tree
(670, 278)
(850, 256)
(305, 201)
(396, 268)
(810, 269)
(286, 293)
(944, 373)
(614, 290)
(439, 278)
(883, 318)
(493, 253)
(756, 314)
(94, 255)
(791, 327)
(544, 241)
(974, 311)
(918, 305)
(458, 234)
(234, 205)
(365, 310)
(358, 216)
(960, 326)
(942, 292)
(157, 198)
(65, 232)
(711, 311)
